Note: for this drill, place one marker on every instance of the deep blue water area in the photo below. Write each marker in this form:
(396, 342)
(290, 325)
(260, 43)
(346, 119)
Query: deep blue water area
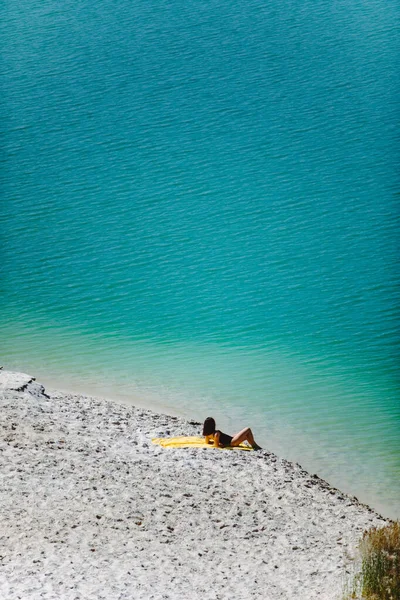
(199, 211)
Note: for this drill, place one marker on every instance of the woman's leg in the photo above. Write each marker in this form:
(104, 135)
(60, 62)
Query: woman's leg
(246, 435)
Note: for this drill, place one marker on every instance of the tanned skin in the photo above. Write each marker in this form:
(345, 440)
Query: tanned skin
(246, 435)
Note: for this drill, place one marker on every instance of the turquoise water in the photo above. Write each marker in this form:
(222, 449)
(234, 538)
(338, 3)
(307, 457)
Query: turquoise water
(200, 213)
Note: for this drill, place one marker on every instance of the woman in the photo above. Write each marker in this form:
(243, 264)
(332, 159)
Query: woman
(215, 436)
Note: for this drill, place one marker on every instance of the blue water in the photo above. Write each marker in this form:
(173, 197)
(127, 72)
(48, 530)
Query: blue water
(200, 213)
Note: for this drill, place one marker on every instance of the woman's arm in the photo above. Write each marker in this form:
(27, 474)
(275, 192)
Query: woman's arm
(214, 438)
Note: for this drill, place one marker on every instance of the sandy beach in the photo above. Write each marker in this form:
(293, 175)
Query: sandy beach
(91, 509)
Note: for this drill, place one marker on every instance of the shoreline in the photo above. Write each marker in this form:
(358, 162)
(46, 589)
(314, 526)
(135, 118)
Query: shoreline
(95, 510)
(353, 465)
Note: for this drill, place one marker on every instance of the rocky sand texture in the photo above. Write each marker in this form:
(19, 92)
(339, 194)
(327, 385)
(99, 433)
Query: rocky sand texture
(91, 509)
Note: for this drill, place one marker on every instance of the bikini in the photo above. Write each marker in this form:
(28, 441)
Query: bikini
(224, 438)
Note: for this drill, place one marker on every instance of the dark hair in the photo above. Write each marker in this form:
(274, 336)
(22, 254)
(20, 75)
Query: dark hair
(209, 426)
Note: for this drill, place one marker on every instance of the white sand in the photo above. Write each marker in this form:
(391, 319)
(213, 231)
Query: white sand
(90, 509)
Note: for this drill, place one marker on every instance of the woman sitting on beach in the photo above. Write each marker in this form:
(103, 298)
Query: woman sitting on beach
(215, 436)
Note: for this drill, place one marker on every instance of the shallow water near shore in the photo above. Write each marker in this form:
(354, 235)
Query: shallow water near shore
(200, 214)
(329, 422)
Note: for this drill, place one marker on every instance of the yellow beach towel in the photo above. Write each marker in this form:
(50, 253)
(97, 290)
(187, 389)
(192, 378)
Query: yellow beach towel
(192, 442)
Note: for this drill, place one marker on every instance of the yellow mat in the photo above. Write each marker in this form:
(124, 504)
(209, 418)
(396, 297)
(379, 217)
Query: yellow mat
(192, 442)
